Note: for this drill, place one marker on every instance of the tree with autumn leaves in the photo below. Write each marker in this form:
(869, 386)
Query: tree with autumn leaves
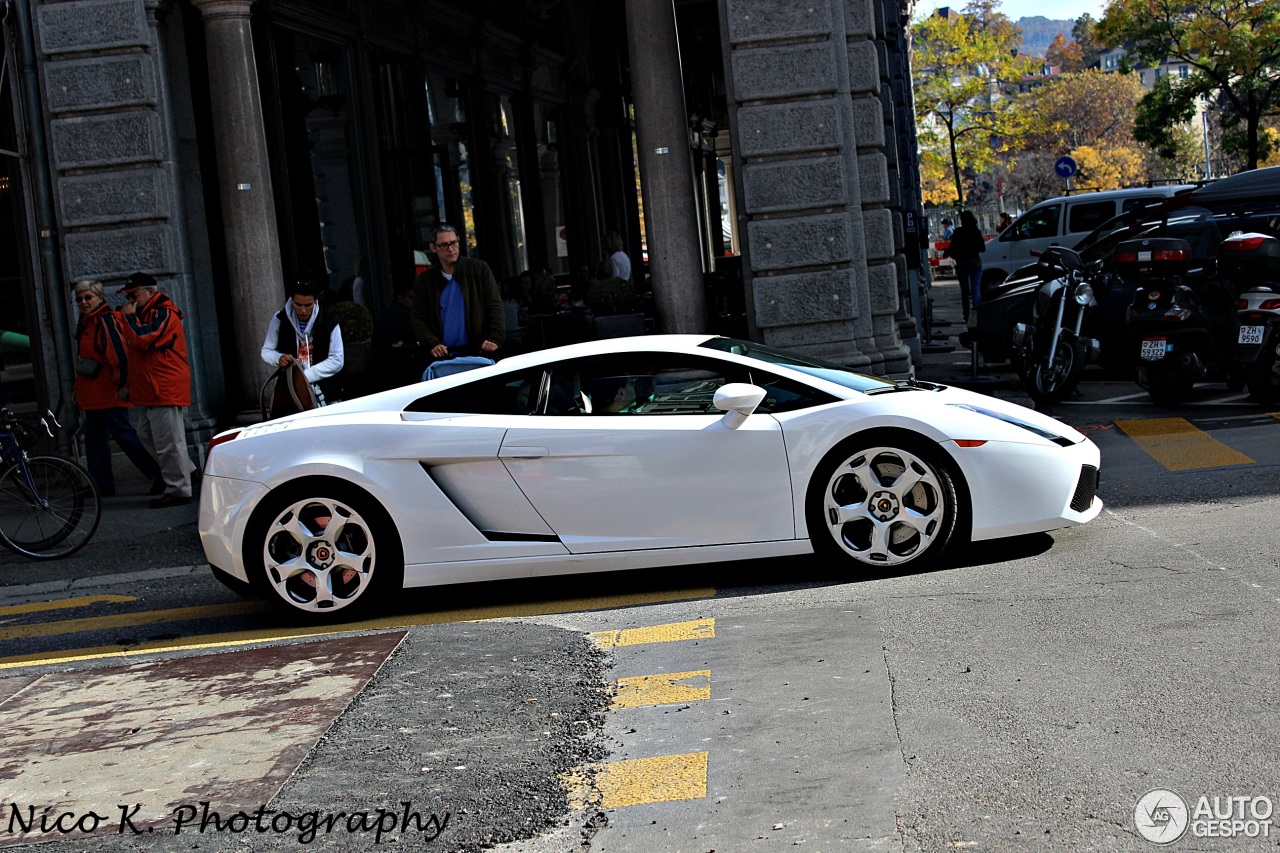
(1233, 50)
(1083, 112)
(965, 65)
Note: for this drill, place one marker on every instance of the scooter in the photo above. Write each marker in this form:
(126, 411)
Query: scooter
(1050, 351)
(1253, 263)
(1183, 333)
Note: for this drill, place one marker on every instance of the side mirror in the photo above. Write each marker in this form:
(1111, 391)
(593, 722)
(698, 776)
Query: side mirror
(737, 400)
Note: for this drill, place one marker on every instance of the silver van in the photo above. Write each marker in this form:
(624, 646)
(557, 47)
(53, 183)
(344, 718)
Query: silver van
(1059, 221)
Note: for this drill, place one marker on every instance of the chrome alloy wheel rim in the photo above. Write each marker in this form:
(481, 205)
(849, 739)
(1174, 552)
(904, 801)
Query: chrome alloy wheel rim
(884, 506)
(319, 555)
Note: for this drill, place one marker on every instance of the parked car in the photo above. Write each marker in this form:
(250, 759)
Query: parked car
(1249, 201)
(621, 454)
(1061, 221)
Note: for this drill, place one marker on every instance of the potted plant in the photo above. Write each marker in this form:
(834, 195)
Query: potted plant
(616, 308)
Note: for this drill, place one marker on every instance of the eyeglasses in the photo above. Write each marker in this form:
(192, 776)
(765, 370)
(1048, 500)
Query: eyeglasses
(451, 245)
(85, 297)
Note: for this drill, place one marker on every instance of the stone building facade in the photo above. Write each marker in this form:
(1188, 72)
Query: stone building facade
(162, 135)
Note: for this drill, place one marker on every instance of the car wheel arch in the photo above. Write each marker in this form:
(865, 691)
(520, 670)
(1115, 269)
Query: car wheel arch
(907, 439)
(390, 562)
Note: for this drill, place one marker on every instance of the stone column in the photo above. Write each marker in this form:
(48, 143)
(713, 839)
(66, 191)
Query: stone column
(666, 174)
(244, 183)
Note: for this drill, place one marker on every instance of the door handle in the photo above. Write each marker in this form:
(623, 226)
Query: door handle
(522, 453)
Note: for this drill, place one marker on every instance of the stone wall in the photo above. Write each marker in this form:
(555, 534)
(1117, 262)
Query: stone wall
(820, 200)
(111, 152)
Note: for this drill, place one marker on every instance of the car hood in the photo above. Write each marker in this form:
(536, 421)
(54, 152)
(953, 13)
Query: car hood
(1026, 420)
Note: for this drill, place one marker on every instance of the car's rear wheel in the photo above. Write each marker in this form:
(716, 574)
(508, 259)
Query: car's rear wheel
(883, 504)
(323, 550)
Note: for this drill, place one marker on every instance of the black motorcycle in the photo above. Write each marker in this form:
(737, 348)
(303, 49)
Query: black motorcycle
(1181, 321)
(1252, 262)
(1050, 351)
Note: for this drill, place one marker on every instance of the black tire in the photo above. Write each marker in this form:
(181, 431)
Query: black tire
(58, 518)
(1048, 385)
(298, 560)
(1264, 384)
(919, 521)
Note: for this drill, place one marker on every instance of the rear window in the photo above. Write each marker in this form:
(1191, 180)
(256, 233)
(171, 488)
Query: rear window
(1087, 216)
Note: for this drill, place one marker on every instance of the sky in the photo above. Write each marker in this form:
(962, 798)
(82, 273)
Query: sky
(1015, 9)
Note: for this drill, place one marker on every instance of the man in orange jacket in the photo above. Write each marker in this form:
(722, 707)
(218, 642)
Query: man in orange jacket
(102, 390)
(159, 382)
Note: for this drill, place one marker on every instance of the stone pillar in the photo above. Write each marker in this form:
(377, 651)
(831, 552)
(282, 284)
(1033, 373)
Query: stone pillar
(789, 72)
(666, 174)
(244, 184)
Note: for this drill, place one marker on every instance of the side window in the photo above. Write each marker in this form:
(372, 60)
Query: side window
(509, 394)
(787, 395)
(1035, 224)
(1087, 216)
(639, 384)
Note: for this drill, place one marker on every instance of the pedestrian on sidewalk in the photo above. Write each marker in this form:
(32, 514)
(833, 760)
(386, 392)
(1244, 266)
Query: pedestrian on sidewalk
(302, 331)
(457, 307)
(102, 391)
(159, 383)
(966, 250)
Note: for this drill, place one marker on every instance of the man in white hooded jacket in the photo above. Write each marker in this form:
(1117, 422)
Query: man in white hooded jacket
(302, 332)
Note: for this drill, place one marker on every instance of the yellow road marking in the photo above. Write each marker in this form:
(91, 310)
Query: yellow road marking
(62, 604)
(699, 629)
(663, 689)
(634, 782)
(130, 620)
(469, 614)
(1179, 446)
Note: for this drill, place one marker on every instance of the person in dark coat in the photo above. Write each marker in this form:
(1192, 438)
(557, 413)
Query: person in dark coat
(457, 307)
(967, 246)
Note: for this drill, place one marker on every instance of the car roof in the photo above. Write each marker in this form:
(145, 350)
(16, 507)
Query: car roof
(1106, 195)
(1262, 184)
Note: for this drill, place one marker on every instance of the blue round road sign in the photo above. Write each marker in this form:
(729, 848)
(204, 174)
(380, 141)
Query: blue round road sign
(1065, 167)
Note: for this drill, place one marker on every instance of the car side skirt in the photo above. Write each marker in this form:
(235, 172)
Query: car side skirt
(469, 571)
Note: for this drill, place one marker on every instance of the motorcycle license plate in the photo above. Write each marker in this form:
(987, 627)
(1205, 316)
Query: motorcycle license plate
(1251, 334)
(1153, 349)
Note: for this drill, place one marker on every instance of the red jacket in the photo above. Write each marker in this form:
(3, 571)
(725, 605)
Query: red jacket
(159, 374)
(99, 340)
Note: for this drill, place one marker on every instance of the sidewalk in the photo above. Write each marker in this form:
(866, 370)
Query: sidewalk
(957, 367)
(131, 539)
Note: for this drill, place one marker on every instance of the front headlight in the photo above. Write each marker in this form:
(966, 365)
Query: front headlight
(1084, 295)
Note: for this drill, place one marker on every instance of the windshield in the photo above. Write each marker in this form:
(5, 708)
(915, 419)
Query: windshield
(812, 366)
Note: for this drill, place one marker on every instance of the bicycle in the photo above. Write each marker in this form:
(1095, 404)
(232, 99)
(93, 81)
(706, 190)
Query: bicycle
(49, 506)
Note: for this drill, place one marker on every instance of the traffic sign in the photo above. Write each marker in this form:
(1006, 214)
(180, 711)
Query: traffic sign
(1065, 167)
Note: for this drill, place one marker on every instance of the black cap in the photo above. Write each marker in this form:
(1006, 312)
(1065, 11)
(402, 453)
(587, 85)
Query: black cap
(137, 280)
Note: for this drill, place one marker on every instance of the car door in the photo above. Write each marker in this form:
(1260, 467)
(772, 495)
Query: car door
(628, 453)
(1030, 233)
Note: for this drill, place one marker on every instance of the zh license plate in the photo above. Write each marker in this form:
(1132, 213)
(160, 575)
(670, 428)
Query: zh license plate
(1153, 349)
(1251, 334)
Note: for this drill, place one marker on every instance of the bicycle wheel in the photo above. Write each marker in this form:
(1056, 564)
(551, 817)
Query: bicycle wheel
(55, 519)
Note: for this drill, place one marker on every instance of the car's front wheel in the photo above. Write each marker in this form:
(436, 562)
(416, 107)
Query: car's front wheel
(323, 550)
(883, 505)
